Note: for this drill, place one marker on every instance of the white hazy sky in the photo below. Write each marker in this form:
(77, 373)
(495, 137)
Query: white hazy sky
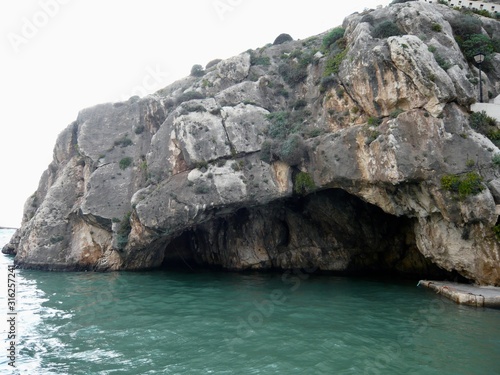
(60, 56)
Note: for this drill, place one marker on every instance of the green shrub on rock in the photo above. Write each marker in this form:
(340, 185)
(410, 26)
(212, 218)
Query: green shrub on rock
(189, 95)
(124, 231)
(475, 43)
(56, 239)
(212, 63)
(436, 27)
(197, 71)
(282, 123)
(374, 121)
(292, 150)
(465, 25)
(282, 38)
(496, 160)
(396, 113)
(125, 141)
(327, 82)
(481, 121)
(294, 71)
(385, 30)
(260, 60)
(467, 29)
(496, 230)
(125, 162)
(465, 185)
(332, 37)
(201, 189)
(303, 183)
(442, 62)
(266, 151)
(279, 124)
(299, 104)
(332, 65)
(484, 124)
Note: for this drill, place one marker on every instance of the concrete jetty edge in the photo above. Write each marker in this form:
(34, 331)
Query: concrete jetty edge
(465, 294)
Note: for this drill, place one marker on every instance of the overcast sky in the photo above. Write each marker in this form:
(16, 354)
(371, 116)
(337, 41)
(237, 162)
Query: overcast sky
(60, 56)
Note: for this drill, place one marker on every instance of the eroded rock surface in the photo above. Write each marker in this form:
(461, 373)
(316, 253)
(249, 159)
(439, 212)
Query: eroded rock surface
(181, 175)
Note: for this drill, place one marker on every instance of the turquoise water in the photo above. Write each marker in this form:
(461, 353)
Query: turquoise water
(221, 323)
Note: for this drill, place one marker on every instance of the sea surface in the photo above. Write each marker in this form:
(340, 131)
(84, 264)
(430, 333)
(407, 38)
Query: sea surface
(224, 323)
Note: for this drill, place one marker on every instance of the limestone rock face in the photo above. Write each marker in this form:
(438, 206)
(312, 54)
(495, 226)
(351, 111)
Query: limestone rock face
(275, 160)
(245, 126)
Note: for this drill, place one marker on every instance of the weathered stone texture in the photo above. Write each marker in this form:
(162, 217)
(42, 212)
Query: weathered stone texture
(177, 177)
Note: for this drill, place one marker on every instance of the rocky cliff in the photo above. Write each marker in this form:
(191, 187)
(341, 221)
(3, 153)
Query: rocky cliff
(342, 152)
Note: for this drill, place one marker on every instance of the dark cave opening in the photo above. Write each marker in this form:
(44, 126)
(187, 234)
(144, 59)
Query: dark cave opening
(330, 231)
(178, 254)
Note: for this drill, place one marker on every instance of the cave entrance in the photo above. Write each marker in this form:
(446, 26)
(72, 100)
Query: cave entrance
(179, 255)
(329, 231)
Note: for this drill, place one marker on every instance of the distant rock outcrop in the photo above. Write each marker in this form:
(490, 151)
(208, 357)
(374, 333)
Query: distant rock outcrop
(326, 153)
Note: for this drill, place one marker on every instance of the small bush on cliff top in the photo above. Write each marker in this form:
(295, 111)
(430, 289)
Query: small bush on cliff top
(484, 13)
(282, 38)
(197, 71)
(212, 63)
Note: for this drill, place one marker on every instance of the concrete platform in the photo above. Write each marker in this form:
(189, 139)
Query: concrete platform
(466, 294)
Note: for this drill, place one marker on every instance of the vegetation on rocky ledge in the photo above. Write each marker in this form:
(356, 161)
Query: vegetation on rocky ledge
(463, 185)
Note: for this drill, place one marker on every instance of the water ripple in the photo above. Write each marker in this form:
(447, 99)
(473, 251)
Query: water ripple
(209, 323)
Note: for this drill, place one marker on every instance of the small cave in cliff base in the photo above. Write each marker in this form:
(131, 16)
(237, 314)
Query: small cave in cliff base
(330, 231)
(178, 254)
